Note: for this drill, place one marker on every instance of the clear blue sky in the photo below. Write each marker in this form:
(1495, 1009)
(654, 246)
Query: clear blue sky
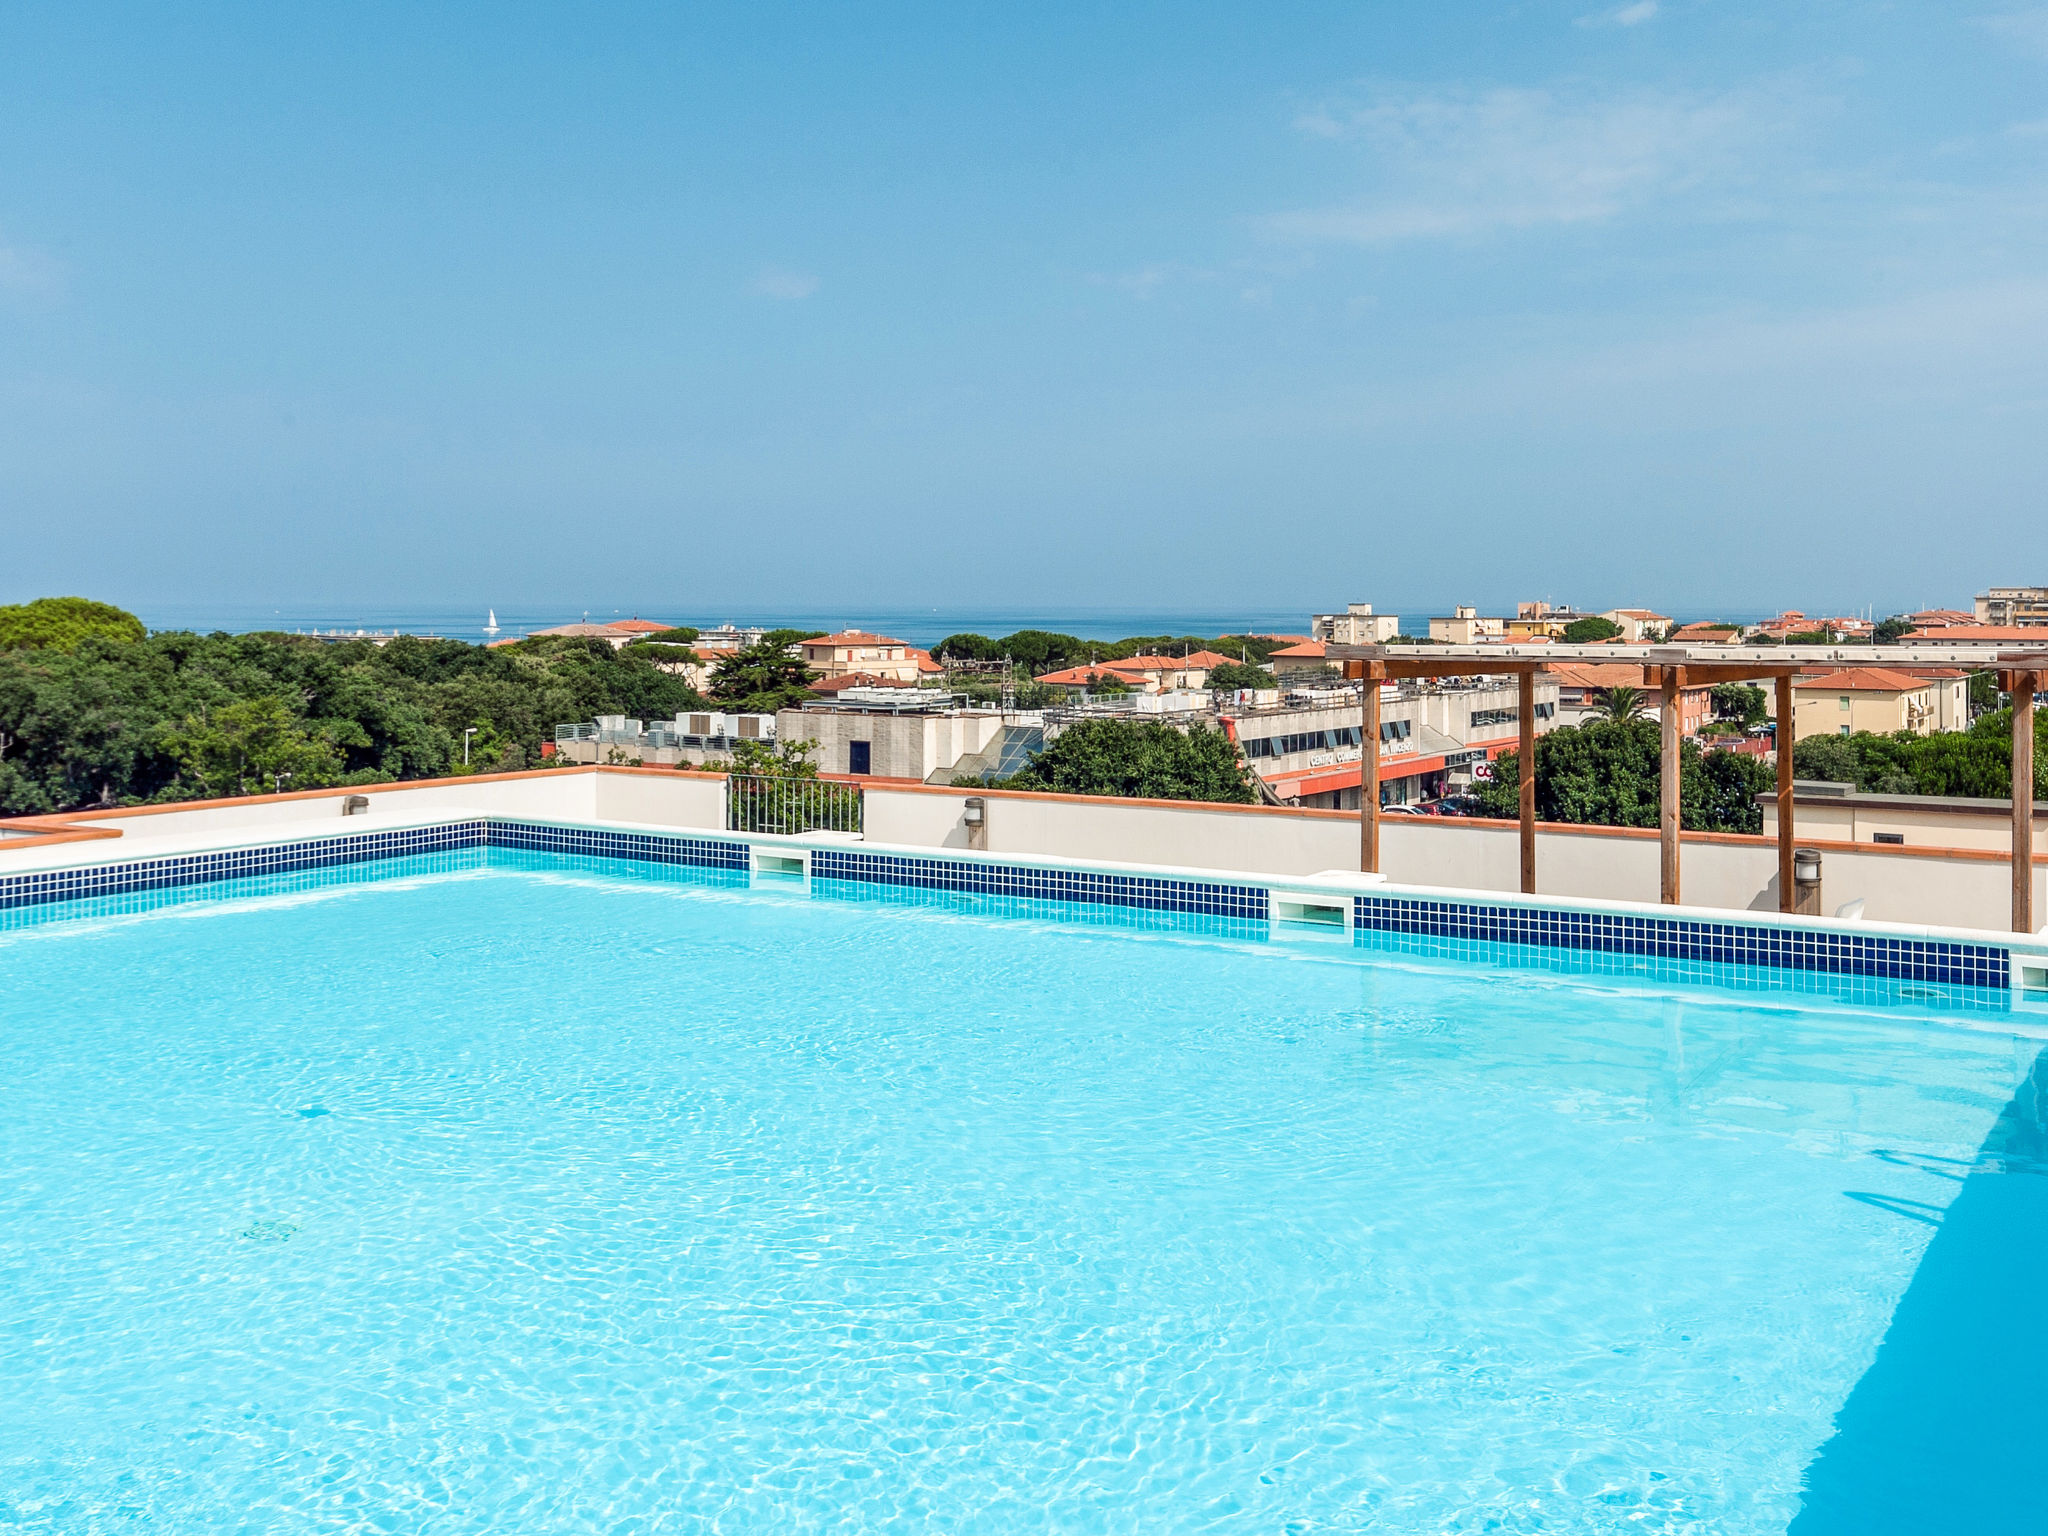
(1689, 302)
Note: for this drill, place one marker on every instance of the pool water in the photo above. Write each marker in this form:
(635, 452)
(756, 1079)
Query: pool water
(523, 1194)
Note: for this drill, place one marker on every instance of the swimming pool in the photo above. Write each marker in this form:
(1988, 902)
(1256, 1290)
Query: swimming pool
(491, 1191)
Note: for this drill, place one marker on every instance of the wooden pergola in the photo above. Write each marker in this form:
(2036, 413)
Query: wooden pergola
(1669, 670)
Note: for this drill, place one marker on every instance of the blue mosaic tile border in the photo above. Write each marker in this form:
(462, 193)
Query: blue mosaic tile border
(1664, 938)
(89, 880)
(1149, 892)
(642, 847)
(1066, 913)
(293, 882)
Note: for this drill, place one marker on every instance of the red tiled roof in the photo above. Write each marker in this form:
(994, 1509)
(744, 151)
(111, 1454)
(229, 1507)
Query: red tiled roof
(1146, 663)
(1074, 677)
(1868, 680)
(2024, 634)
(641, 626)
(1313, 650)
(850, 637)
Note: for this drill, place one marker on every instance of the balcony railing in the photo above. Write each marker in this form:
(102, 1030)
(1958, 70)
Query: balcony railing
(755, 803)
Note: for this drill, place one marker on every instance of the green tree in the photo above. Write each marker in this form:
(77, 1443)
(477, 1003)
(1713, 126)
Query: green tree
(1142, 759)
(1608, 773)
(64, 623)
(761, 679)
(966, 647)
(769, 760)
(1827, 759)
(223, 750)
(1231, 674)
(1743, 703)
(1620, 703)
(1255, 650)
(1590, 631)
(1892, 630)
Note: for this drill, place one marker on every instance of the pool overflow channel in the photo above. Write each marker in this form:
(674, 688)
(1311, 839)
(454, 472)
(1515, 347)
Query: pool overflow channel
(1478, 926)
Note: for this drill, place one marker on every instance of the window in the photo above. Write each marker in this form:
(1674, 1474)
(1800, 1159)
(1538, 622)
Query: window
(1845, 730)
(1485, 717)
(1394, 730)
(1844, 704)
(858, 757)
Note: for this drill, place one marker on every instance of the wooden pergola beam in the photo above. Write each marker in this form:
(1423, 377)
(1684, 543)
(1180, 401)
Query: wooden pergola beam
(1699, 675)
(1454, 666)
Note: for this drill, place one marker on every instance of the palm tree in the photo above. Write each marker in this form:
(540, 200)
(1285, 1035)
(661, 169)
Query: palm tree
(1623, 703)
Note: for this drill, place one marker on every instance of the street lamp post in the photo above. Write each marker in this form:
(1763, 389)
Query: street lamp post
(468, 732)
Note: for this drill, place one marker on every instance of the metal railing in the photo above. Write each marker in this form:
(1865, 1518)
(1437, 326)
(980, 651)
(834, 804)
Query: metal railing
(757, 803)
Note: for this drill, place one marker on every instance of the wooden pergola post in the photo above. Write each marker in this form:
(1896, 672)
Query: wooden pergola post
(2022, 687)
(1527, 765)
(1786, 733)
(1667, 786)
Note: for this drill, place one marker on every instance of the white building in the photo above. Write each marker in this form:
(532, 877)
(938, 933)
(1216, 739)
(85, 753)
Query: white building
(1435, 738)
(1356, 625)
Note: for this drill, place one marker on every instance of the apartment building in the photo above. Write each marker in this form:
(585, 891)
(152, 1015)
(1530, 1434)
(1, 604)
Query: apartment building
(695, 736)
(1356, 625)
(891, 733)
(880, 656)
(1637, 625)
(2022, 607)
(1840, 703)
(1466, 626)
(1435, 738)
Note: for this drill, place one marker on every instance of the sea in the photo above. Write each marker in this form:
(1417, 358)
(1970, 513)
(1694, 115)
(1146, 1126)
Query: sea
(917, 626)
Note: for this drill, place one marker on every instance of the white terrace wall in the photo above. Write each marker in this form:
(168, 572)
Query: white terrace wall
(662, 799)
(1951, 888)
(560, 794)
(1938, 887)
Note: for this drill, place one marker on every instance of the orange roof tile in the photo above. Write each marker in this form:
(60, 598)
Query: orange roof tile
(2022, 634)
(1867, 680)
(850, 637)
(1075, 677)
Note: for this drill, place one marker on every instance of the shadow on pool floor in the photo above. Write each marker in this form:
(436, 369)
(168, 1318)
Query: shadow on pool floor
(1948, 1429)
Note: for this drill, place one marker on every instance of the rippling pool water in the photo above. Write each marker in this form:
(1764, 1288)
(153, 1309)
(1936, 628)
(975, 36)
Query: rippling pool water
(516, 1194)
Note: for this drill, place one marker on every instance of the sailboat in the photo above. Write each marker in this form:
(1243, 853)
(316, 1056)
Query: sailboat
(491, 628)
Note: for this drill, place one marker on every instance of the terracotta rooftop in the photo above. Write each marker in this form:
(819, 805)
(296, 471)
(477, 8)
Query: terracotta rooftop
(1867, 680)
(851, 637)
